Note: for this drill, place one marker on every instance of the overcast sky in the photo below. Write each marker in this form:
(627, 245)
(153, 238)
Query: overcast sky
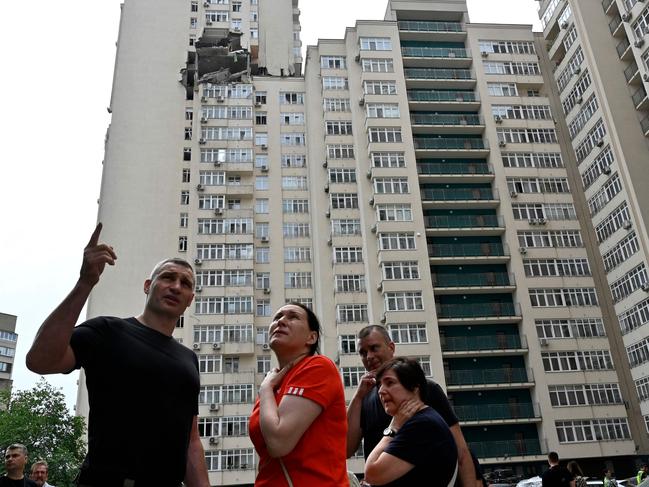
(58, 63)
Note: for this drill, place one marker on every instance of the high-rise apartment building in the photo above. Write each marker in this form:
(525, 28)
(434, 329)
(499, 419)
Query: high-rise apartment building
(8, 339)
(421, 174)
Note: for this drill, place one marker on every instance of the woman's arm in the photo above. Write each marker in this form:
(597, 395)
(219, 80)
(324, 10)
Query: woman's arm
(381, 467)
(282, 426)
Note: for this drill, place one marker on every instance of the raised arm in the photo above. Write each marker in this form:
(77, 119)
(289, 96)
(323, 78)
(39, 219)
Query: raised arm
(354, 430)
(283, 425)
(51, 352)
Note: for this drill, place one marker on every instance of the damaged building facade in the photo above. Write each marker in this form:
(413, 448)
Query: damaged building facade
(417, 174)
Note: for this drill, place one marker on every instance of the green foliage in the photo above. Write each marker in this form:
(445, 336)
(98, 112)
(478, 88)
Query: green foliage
(39, 419)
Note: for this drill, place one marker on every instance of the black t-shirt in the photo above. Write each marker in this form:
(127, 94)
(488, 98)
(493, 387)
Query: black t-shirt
(374, 419)
(426, 442)
(24, 482)
(557, 476)
(143, 394)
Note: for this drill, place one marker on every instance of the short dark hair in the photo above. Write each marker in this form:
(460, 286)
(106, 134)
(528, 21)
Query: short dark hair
(409, 372)
(377, 328)
(553, 456)
(18, 446)
(314, 325)
(172, 260)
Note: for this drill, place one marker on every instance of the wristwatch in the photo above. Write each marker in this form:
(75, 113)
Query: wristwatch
(389, 432)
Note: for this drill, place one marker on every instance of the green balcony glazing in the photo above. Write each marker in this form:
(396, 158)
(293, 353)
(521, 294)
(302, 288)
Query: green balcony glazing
(429, 26)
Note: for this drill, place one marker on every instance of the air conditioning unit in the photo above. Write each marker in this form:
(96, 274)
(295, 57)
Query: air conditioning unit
(577, 70)
(502, 143)
(543, 342)
(639, 43)
(237, 29)
(206, 4)
(264, 147)
(214, 407)
(580, 100)
(542, 221)
(626, 16)
(199, 289)
(325, 164)
(208, 22)
(357, 58)
(498, 119)
(217, 163)
(257, 104)
(606, 170)
(383, 318)
(328, 214)
(266, 290)
(265, 346)
(371, 201)
(265, 239)
(203, 99)
(202, 141)
(220, 99)
(214, 440)
(326, 188)
(645, 76)
(373, 229)
(196, 346)
(564, 24)
(361, 101)
(599, 143)
(203, 120)
(368, 174)
(218, 211)
(216, 346)
(379, 286)
(264, 168)
(513, 194)
(645, 287)
(199, 187)
(522, 250)
(198, 261)
(484, 54)
(626, 224)
(330, 242)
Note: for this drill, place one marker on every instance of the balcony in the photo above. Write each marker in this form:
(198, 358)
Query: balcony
(466, 197)
(640, 100)
(445, 57)
(480, 253)
(606, 4)
(615, 26)
(417, 30)
(465, 224)
(498, 413)
(632, 74)
(455, 172)
(624, 49)
(512, 448)
(443, 100)
(509, 376)
(450, 146)
(439, 78)
(485, 282)
(645, 126)
(440, 123)
(456, 346)
(239, 190)
(478, 312)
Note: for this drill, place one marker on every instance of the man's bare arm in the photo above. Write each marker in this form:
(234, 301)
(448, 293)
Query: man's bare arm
(196, 472)
(354, 431)
(51, 352)
(466, 471)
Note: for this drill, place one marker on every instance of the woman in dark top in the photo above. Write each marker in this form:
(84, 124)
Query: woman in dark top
(417, 447)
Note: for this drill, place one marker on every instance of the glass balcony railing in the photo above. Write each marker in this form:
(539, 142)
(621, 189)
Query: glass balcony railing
(484, 342)
(449, 143)
(630, 71)
(459, 194)
(491, 412)
(442, 96)
(445, 119)
(432, 168)
(614, 23)
(436, 73)
(467, 250)
(645, 124)
(463, 221)
(435, 52)
(622, 46)
(486, 376)
(606, 4)
(476, 310)
(511, 448)
(478, 279)
(639, 95)
(425, 26)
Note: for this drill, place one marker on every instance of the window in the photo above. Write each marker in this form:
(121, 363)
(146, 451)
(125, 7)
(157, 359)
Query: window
(341, 175)
(216, 16)
(345, 227)
(292, 118)
(556, 267)
(397, 241)
(184, 220)
(560, 297)
(193, 23)
(532, 159)
(522, 112)
(226, 133)
(187, 154)
(587, 360)
(295, 206)
(351, 313)
(211, 202)
(391, 186)
(383, 110)
(338, 127)
(380, 87)
(263, 308)
(334, 83)
(260, 97)
(619, 217)
(385, 134)
(297, 280)
(347, 344)
(333, 62)
(352, 375)
(577, 92)
(604, 160)
(527, 136)
(642, 388)
(260, 119)
(583, 115)
(560, 238)
(376, 44)
(388, 159)
(217, 305)
(184, 197)
(297, 254)
(224, 426)
(293, 160)
(594, 137)
(408, 333)
(380, 65)
(343, 200)
(262, 255)
(585, 395)
(404, 301)
(641, 26)
(224, 251)
(261, 205)
(233, 278)
(340, 151)
(540, 211)
(507, 47)
(585, 430)
(397, 212)
(337, 105)
(400, 270)
(538, 185)
(517, 68)
(638, 353)
(226, 394)
(234, 459)
(633, 280)
(226, 155)
(227, 226)
(291, 98)
(570, 328)
(349, 283)
(611, 188)
(261, 183)
(182, 244)
(634, 317)
(294, 182)
(502, 89)
(348, 255)
(572, 67)
(263, 364)
(296, 230)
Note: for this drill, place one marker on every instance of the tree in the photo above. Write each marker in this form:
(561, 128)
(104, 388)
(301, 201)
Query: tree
(39, 419)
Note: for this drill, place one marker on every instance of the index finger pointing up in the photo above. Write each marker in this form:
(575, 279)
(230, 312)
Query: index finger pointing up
(95, 236)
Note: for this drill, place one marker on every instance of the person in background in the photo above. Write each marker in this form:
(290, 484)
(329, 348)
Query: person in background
(417, 447)
(609, 480)
(298, 424)
(556, 475)
(15, 461)
(39, 473)
(642, 474)
(366, 417)
(574, 468)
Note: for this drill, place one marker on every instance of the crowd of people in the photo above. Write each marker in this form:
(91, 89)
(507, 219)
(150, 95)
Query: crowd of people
(144, 384)
(16, 459)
